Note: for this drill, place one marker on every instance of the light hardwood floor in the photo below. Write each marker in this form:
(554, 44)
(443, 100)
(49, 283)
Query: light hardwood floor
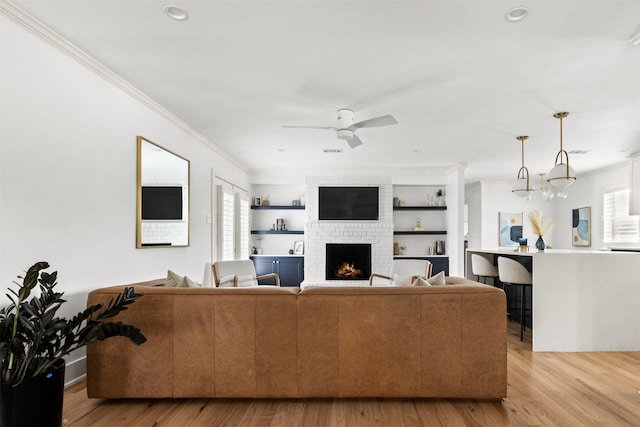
(544, 389)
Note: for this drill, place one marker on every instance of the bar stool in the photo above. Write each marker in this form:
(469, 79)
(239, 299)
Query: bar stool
(512, 273)
(483, 268)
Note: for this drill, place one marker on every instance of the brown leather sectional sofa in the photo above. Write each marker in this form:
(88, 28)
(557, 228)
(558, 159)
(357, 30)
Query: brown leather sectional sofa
(441, 341)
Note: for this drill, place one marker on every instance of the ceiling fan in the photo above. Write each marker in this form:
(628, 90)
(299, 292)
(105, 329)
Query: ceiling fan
(345, 127)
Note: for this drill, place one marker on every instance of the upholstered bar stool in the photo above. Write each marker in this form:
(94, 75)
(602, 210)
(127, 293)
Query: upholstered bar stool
(482, 268)
(512, 273)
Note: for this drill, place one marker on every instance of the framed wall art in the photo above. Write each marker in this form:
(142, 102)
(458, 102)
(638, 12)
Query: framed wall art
(509, 228)
(581, 227)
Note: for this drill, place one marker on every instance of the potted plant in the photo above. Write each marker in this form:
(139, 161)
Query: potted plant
(33, 343)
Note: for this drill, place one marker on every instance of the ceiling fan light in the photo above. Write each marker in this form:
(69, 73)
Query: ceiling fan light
(561, 176)
(344, 134)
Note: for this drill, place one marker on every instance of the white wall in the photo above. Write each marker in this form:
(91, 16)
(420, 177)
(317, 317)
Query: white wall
(68, 174)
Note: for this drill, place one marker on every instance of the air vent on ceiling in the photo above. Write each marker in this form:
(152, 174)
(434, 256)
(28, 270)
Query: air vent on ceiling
(332, 150)
(579, 151)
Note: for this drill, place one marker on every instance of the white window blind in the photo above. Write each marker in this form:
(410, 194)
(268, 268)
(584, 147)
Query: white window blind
(243, 226)
(233, 223)
(226, 223)
(619, 226)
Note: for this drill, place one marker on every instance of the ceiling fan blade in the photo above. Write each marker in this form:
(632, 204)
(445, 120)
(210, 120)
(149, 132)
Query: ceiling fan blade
(375, 122)
(354, 142)
(311, 127)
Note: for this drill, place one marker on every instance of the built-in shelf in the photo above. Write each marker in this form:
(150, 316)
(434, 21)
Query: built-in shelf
(277, 207)
(409, 232)
(419, 208)
(277, 232)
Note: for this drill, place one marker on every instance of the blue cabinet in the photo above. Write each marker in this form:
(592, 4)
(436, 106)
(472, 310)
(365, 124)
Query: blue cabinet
(290, 269)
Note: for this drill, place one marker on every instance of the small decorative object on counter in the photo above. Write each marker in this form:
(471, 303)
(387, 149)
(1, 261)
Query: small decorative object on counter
(257, 201)
(440, 197)
(396, 248)
(418, 226)
(396, 201)
(265, 200)
(255, 250)
(523, 245)
(402, 249)
(540, 227)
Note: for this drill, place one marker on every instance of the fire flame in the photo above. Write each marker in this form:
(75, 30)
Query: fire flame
(348, 269)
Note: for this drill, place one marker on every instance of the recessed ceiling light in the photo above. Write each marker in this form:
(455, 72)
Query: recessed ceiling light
(517, 14)
(332, 150)
(176, 12)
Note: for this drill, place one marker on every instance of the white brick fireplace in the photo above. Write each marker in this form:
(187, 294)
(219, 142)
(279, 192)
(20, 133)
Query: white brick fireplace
(318, 233)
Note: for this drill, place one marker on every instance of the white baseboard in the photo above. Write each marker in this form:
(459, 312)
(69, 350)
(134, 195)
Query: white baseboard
(75, 371)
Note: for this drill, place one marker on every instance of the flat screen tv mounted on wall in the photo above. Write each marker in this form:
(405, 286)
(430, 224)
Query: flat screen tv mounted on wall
(348, 203)
(161, 203)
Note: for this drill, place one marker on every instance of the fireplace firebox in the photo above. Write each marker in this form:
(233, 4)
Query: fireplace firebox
(348, 261)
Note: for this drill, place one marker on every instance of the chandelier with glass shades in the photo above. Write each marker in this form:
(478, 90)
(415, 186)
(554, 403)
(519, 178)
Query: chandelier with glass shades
(558, 179)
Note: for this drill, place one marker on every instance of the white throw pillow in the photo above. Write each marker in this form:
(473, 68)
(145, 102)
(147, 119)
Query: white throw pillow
(188, 283)
(420, 281)
(176, 281)
(437, 280)
(173, 280)
(401, 280)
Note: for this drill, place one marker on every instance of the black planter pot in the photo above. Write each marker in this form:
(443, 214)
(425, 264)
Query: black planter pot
(35, 401)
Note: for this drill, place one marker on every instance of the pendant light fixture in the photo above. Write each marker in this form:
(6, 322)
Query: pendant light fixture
(522, 187)
(562, 175)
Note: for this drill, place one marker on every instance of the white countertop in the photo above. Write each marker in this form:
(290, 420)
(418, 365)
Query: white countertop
(532, 251)
(275, 255)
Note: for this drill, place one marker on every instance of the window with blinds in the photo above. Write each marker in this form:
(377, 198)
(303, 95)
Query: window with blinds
(226, 223)
(233, 223)
(619, 226)
(243, 226)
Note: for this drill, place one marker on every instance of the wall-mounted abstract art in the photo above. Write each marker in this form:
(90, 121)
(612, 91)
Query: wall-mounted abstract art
(581, 227)
(509, 228)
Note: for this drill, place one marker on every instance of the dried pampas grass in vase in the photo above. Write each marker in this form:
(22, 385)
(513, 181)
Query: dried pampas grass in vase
(540, 228)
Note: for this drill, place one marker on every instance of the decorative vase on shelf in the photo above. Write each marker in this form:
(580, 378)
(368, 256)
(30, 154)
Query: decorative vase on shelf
(540, 244)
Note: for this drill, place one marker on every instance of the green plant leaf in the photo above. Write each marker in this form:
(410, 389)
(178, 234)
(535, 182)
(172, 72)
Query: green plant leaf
(32, 338)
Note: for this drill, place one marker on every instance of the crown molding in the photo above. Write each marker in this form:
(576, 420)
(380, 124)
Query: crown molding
(46, 34)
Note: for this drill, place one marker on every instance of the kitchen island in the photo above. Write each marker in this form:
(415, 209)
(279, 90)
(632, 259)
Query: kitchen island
(582, 300)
